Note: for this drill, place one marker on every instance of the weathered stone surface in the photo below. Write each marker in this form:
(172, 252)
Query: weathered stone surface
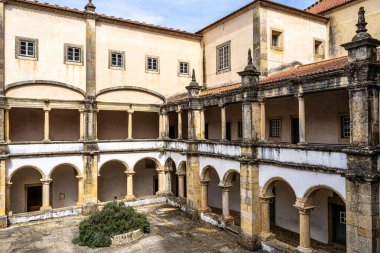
(127, 237)
(3, 221)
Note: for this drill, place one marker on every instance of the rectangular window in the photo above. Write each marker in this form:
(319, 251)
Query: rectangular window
(184, 68)
(277, 39)
(26, 48)
(224, 57)
(116, 60)
(240, 129)
(152, 64)
(73, 54)
(345, 127)
(275, 127)
(319, 49)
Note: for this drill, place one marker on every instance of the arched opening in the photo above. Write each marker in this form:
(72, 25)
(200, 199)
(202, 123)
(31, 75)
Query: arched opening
(112, 181)
(232, 180)
(182, 183)
(171, 177)
(64, 186)
(145, 180)
(214, 191)
(327, 218)
(282, 216)
(26, 190)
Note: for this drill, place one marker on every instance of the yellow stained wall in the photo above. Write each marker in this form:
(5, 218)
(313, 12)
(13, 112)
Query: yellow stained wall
(342, 24)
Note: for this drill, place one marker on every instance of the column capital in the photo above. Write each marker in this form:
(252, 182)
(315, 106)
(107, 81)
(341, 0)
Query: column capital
(225, 187)
(262, 100)
(300, 96)
(46, 180)
(130, 111)
(46, 109)
(205, 182)
(266, 199)
(129, 172)
(8, 184)
(79, 178)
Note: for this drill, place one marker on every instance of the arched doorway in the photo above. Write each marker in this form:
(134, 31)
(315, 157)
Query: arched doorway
(145, 179)
(64, 186)
(112, 181)
(26, 190)
(182, 184)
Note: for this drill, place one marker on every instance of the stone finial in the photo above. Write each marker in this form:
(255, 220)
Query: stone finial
(250, 66)
(193, 78)
(193, 88)
(361, 32)
(90, 7)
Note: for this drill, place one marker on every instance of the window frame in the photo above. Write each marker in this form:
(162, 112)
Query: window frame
(280, 33)
(110, 65)
(316, 54)
(342, 127)
(66, 50)
(279, 128)
(228, 68)
(147, 70)
(18, 48)
(179, 68)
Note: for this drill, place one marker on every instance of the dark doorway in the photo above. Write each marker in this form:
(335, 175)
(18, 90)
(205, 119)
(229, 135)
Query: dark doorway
(172, 132)
(206, 131)
(339, 224)
(272, 210)
(34, 198)
(228, 131)
(174, 181)
(295, 130)
(155, 185)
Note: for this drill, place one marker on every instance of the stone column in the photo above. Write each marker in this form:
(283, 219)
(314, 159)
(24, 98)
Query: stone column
(46, 194)
(130, 195)
(202, 126)
(181, 186)
(204, 197)
(81, 124)
(90, 176)
(179, 113)
(130, 125)
(262, 121)
(226, 202)
(302, 118)
(161, 181)
(46, 125)
(166, 120)
(8, 210)
(6, 125)
(80, 191)
(223, 122)
(305, 246)
(265, 217)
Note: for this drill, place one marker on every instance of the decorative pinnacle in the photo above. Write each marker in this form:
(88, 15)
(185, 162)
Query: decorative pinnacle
(250, 61)
(361, 21)
(90, 6)
(193, 78)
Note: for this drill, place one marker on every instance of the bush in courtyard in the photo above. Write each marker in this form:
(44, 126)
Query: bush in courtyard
(114, 219)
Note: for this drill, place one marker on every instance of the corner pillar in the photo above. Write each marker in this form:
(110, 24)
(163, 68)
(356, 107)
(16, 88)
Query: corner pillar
(80, 191)
(194, 192)
(90, 180)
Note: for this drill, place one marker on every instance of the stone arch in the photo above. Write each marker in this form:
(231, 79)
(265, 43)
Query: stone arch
(169, 164)
(228, 176)
(64, 185)
(114, 160)
(312, 191)
(181, 169)
(266, 191)
(23, 167)
(146, 177)
(26, 189)
(157, 163)
(77, 170)
(112, 181)
(205, 175)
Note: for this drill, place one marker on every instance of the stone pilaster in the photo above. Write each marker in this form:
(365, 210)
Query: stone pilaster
(2, 47)
(90, 177)
(362, 177)
(3, 195)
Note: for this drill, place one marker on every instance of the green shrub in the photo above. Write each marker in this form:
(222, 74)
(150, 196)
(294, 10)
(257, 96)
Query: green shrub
(115, 219)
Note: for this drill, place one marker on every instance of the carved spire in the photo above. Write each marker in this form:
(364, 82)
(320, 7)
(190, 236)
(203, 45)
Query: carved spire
(361, 32)
(193, 78)
(250, 66)
(90, 7)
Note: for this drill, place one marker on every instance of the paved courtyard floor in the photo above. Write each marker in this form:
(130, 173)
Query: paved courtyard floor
(171, 231)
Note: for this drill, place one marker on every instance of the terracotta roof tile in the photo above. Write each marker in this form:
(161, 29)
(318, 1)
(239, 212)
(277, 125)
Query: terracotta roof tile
(325, 5)
(74, 10)
(300, 71)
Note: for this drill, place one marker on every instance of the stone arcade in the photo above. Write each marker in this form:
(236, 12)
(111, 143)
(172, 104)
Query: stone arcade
(97, 108)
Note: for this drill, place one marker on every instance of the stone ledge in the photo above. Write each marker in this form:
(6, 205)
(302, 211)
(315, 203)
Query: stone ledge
(127, 237)
(35, 216)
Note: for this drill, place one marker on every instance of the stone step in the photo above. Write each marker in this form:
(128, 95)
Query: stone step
(232, 229)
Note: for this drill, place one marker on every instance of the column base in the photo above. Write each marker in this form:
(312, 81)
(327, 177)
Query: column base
(228, 219)
(79, 204)
(162, 193)
(3, 221)
(129, 197)
(251, 242)
(304, 250)
(265, 236)
(46, 209)
(205, 210)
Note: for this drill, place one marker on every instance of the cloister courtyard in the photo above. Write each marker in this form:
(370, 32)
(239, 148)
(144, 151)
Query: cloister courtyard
(171, 231)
